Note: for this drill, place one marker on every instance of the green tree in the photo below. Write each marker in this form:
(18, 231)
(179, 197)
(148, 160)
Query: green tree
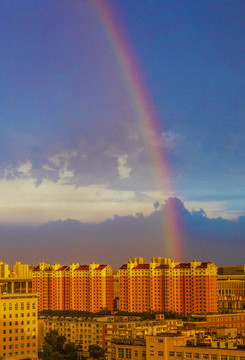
(56, 348)
(96, 352)
(70, 351)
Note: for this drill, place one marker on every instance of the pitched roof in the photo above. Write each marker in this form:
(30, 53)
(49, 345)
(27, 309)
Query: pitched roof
(123, 267)
(183, 266)
(82, 267)
(100, 267)
(141, 267)
(162, 266)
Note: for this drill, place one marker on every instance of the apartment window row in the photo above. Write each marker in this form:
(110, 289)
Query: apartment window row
(189, 355)
(19, 306)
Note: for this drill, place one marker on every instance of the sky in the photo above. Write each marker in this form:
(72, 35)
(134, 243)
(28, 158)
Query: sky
(112, 114)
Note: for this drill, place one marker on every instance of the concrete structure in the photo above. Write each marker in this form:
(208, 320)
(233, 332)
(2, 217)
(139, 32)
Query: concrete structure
(165, 285)
(21, 270)
(231, 303)
(4, 270)
(231, 285)
(73, 287)
(134, 349)
(231, 270)
(214, 321)
(15, 285)
(176, 346)
(18, 326)
(86, 329)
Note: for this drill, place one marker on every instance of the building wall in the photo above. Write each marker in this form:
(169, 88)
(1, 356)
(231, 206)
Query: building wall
(81, 331)
(175, 347)
(4, 270)
(224, 320)
(164, 285)
(74, 287)
(231, 285)
(18, 326)
(130, 349)
(21, 270)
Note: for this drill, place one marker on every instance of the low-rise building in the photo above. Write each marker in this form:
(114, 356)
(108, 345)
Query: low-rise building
(85, 329)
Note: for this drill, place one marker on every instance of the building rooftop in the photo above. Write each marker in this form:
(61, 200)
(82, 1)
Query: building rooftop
(141, 267)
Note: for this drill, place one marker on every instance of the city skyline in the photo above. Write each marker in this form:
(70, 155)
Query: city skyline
(110, 109)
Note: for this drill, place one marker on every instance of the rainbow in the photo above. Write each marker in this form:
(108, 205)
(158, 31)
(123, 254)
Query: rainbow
(147, 118)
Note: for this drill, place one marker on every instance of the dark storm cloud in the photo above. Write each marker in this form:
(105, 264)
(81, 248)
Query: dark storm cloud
(115, 240)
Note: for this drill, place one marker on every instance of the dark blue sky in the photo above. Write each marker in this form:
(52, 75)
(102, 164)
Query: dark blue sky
(70, 145)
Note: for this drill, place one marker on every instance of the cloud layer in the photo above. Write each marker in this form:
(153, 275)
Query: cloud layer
(116, 240)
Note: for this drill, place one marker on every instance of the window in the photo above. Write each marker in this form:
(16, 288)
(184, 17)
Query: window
(171, 353)
(160, 353)
(188, 355)
(121, 353)
(128, 353)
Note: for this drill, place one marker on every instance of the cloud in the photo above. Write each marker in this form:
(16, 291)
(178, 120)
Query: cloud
(123, 169)
(25, 168)
(119, 238)
(22, 201)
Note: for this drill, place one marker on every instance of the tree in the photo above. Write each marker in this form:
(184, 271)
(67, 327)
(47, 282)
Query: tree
(56, 348)
(96, 352)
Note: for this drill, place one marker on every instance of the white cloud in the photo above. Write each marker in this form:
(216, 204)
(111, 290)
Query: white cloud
(25, 168)
(23, 202)
(60, 159)
(122, 167)
(213, 209)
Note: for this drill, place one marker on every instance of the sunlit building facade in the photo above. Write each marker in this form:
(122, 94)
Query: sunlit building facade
(18, 326)
(73, 287)
(165, 285)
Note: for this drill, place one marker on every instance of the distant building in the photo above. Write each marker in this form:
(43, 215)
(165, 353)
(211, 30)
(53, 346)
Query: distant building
(231, 270)
(4, 270)
(21, 270)
(165, 285)
(231, 281)
(231, 303)
(234, 320)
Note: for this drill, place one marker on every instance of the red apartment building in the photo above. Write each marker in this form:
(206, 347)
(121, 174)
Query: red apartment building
(165, 285)
(74, 287)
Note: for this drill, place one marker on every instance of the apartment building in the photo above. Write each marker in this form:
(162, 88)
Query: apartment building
(21, 270)
(226, 320)
(176, 346)
(73, 287)
(4, 270)
(165, 285)
(18, 326)
(85, 329)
